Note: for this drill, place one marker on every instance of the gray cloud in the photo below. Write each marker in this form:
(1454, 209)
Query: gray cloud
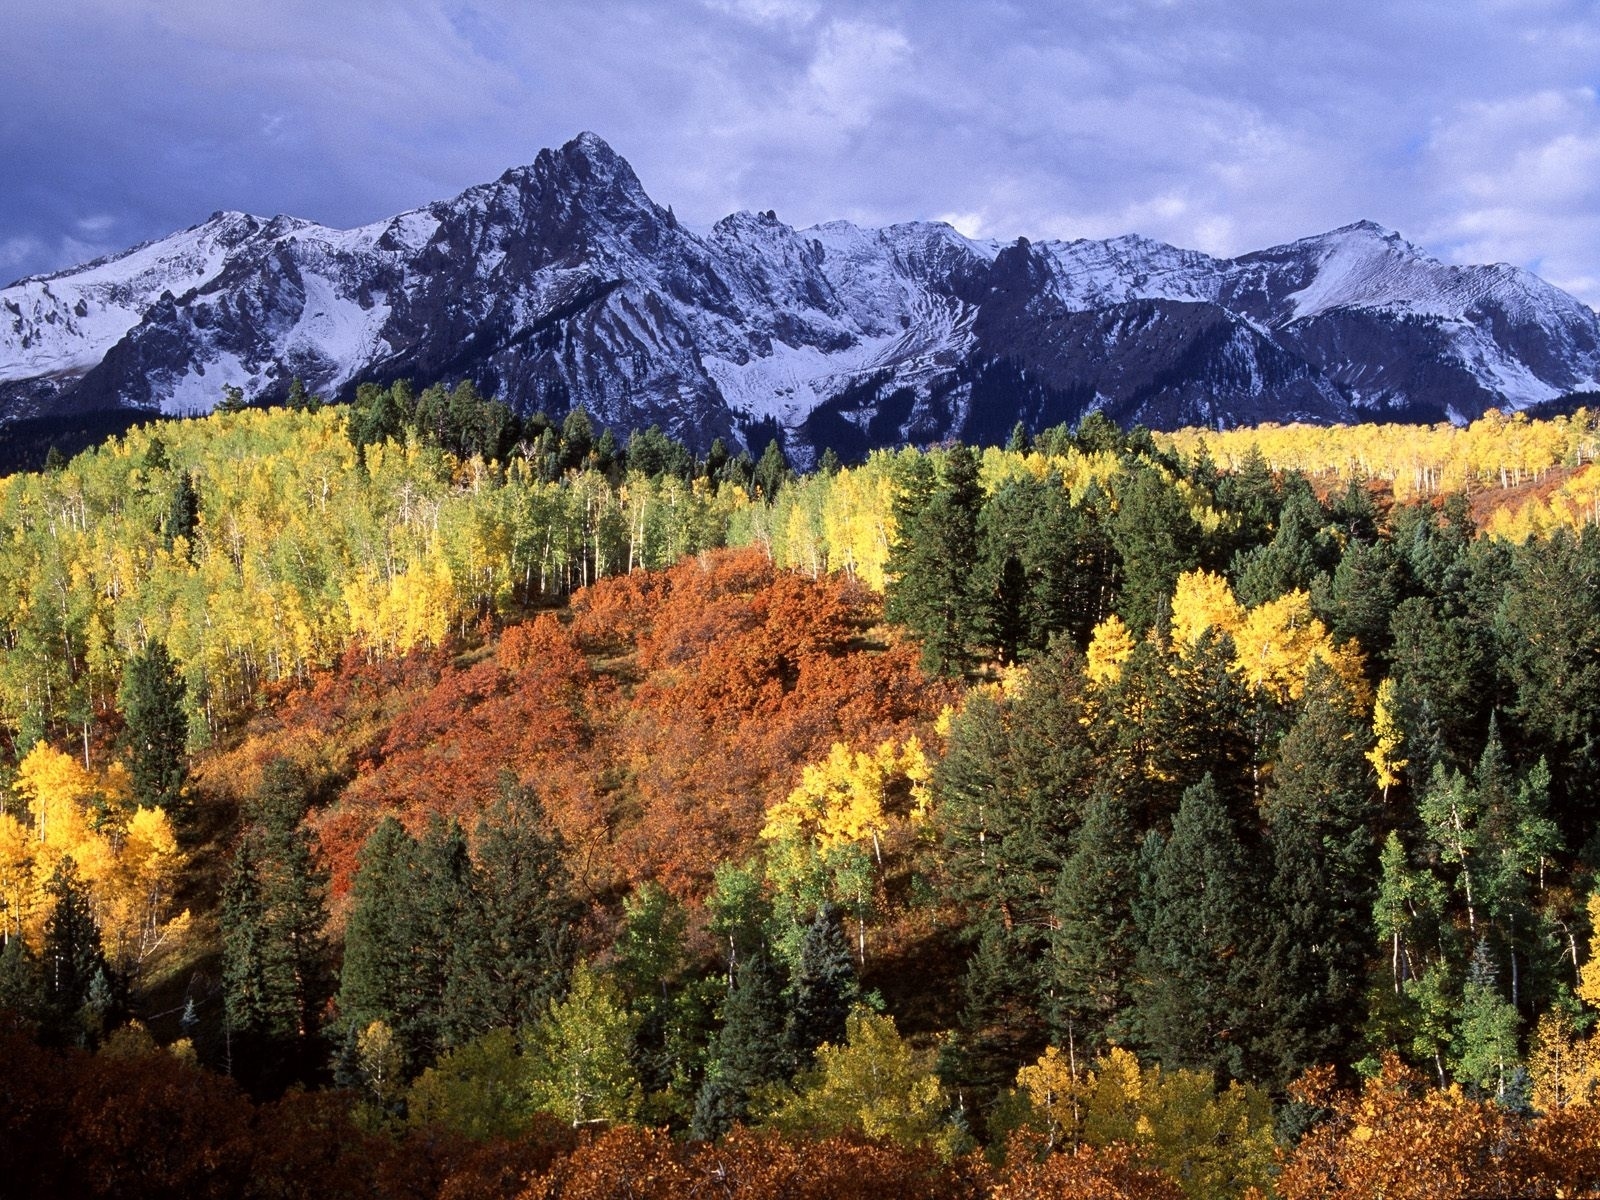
(1472, 126)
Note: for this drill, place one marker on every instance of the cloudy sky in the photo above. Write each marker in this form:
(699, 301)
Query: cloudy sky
(1471, 126)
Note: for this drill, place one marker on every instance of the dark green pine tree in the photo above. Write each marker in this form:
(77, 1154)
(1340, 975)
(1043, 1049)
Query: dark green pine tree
(276, 971)
(22, 995)
(932, 587)
(72, 958)
(1299, 551)
(1156, 539)
(772, 471)
(246, 991)
(1194, 912)
(374, 981)
(1321, 815)
(517, 939)
(156, 728)
(440, 908)
(749, 1051)
(1358, 601)
(577, 439)
(1094, 942)
(1028, 574)
(183, 515)
(822, 991)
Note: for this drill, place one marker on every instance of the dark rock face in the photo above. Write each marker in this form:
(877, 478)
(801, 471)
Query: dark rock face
(562, 283)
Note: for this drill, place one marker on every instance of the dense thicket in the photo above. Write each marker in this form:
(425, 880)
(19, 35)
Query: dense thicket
(1219, 789)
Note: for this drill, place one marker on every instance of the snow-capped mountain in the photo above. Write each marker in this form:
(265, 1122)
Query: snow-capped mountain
(562, 283)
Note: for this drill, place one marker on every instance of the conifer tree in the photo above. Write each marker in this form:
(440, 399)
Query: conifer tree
(823, 989)
(1194, 915)
(772, 471)
(440, 909)
(1094, 941)
(749, 1049)
(72, 957)
(1320, 813)
(374, 982)
(276, 975)
(156, 732)
(1156, 540)
(931, 563)
(516, 941)
(22, 994)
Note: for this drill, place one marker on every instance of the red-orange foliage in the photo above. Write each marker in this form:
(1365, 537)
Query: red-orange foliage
(657, 718)
(1400, 1137)
(647, 1164)
(1115, 1173)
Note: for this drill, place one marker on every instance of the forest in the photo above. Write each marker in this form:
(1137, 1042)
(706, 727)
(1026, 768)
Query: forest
(412, 798)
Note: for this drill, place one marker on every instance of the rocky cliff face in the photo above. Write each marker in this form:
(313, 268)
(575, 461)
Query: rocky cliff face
(562, 283)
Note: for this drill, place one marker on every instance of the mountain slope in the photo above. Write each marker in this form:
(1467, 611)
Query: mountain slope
(563, 283)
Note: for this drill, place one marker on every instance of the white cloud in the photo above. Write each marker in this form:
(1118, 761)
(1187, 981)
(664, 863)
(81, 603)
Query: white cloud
(1468, 125)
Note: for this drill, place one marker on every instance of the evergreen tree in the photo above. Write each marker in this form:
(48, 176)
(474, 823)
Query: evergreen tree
(1094, 941)
(517, 939)
(577, 439)
(1030, 584)
(183, 515)
(931, 587)
(749, 1051)
(1297, 554)
(1156, 539)
(823, 989)
(1192, 1004)
(275, 965)
(72, 958)
(22, 993)
(772, 472)
(439, 910)
(374, 982)
(156, 729)
(1321, 814)
(246, 991)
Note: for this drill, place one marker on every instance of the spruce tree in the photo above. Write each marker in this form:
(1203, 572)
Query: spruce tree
(1094, 941)
(516, 941)
(374, 981)
(823, 989)
(932, 587)
(22, 994)
(440, 908)
(749, 1050)
(276, 974)
(72, 958)
(157, 729)
(1156, 540)
(1194, 915)
(1321, 815)
(183, 515)
(772, 471)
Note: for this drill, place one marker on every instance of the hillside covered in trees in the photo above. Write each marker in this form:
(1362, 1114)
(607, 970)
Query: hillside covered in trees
(408, 799)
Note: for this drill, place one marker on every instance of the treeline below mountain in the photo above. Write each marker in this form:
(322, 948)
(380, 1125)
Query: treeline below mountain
(1079, 818)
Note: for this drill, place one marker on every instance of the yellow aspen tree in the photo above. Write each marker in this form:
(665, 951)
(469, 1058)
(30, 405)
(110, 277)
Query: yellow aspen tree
(1110, 645)
(1200, 602)
(1561, 1064)
(1589, 974)
(1387, 738)
(18, 887)
(1056, 1089)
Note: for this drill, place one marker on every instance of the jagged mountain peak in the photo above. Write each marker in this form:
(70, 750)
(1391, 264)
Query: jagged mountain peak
(563, 283)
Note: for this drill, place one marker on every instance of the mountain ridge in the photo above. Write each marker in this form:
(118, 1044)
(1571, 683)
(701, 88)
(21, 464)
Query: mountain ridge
(563, 282)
